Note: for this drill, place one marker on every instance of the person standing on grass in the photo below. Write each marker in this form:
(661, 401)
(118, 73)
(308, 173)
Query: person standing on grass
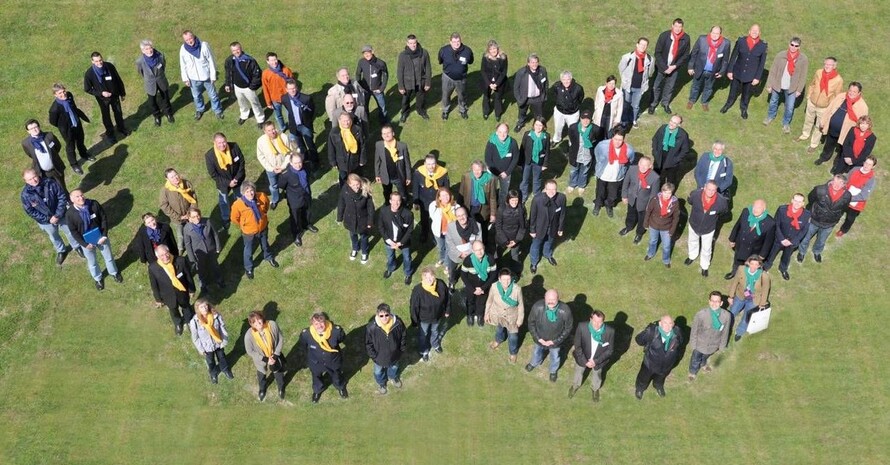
(43, 149)
(478, 274)
(68, 119)
(274, 79)
(250, 212)
(594, 343)
(746, 65)
(152, 67)
(150, 235)
(355, 210)
(504, 309)
(442, 212)
(396, 225)
(198, 70)
(459, 237)
(225, 165)
(862, 183)
(243, 77)
(511, 227)
(635, 69)
(707, 63)
(550, 324)
(335, 100)
(752, 234)
(661, 219)
(749, 290)
(715, 166)
(427, 180)
(670, 147)
(263, 344)
(300, 114)
(429, 303)
(372, 74)
(494, 80)
(613, 157)
(792, 223)
(44, 200)
(841, 116)
(414, 77)
(856, 148)
(671, 55)
(202, 245)
(102, 81)
(346, 148)
(530, 90)
(825, 86)
(607, 110)
(638, 188)
(210, 338)
(172, 285)
(787, 76)
(295, 183)
(274, 151)
(89, 227)
(546, 223)
(827, 202)
(568, 96)
(386, 339)
(455, 58)
(710, 334)
(705, 209)
(535, 152)
(502, 156)
(177, 196)
(322, 340)
(480, 194)
(582, 139)
(661, 342)
(392, 164)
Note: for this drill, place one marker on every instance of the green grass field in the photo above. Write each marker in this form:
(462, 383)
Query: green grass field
(91, 377)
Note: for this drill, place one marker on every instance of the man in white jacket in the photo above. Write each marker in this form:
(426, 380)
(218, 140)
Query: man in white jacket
(198, 71)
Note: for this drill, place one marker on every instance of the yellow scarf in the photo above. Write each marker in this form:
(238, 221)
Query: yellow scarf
(265, 344)
(393, 152)
(185, 193)
(387, 327)
(431, 288)
(208, 325)
(322, 339)
(430, 180)
(448, 213)
(349, 141)
(223, 159)
(168, 268)
(278, 145)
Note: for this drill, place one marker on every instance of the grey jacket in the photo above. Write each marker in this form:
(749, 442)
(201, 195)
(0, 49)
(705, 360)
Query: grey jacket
(256, 354)
(453, 239)
(153, 79)
(704, 338)
(633, 191)
(196, 244)
(201, 337)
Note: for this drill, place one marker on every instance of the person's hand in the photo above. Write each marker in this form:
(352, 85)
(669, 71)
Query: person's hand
(53, 220)
(559, 233)
(769, 89)
(90, 247)
(542, 342)
(729, 300)
(408, 182)
(272, 360)
(233, 183)
(511, 244)
(269, 107)
(377, 179)
(848, 160)
(755, 82)
(533, 235)
(426, 88)
(377, 91)
(503, 175)
(786, 242)
(670, 69)
(228, 89)
(103, 240)
(491, 219)
(361, 164)
(159, 304)
(590, 364)
(796, 94)
(402, 91)
(732, 245)
(729, 75)
(370, 226)
(624, 200)
(692, 73)
(478, 291)
(106, 94)
(716, 75)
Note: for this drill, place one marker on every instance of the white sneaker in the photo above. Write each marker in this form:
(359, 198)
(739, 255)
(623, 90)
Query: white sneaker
(364, 258)
(353, 254)
(580, 191)
(569, 190)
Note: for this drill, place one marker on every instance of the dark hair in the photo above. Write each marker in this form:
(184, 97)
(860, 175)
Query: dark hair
(148, 215)
(256, 315)
(678, 21)
(384, 308)
(511, 194)
(715, 293)
(610, 78)
(597, 313)
(271, 54)
(30, 122)
(411, 37)
(857, 84)
(235, 43)
(505, 272)
(95, 54)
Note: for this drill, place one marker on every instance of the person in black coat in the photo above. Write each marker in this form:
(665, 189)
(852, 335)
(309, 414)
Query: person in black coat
(568, 96)
(745, 69)
(670, 146)
(322, 340)
(225, 165)
(429, 303)
(300, 114)
(86, 217)
(68, 119)
(427, 180)
(501, 156)
(172, 285)
(43, 150)
(295, 183)
(102, 81)
(494, 80)
(589, 356)
(414, 76)
(661, 342)
(243, 77)
(386, 339)
(546, 223)
(355, 209)
(346, 155)
(150, 235)
(582, 140)
(395, 226)
(535, 151)
(478, 273)
(372, 74)
(511, 225)
(640, 185)
(792, 224)
(752, 234)
(392, 164)
(530, 90)
(671, 55)
(706, 208)
(827, 203)
(707, 63)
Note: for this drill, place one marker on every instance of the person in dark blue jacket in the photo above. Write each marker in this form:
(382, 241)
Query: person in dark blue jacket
(715, 166)
(792, 224)
(455, 58)
(44, 200)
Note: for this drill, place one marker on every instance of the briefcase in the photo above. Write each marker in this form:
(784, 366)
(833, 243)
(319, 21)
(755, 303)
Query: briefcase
(759, 320)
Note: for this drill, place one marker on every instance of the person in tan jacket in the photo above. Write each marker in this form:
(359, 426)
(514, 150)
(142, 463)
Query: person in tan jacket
(826, 85)
(505, 309)
(273, 151)
(787, 76)
(177, 196)
(749, 290)
(839, 118)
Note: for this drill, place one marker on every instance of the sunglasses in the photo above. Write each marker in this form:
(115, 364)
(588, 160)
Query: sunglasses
(795, 45)
(384, 315)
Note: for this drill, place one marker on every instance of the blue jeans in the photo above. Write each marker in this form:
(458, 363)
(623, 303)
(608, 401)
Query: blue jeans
(93, 265)
(535, 251)
(665, 235)
(52, 230)
(697, 361)
(198, 88)
(406, 260)
(821, 237)
(428, 337)
(578, 175)
(360, 240)
(382, 373)
(532, 171)
(538, 356)
(443, 251)
(632, 97)
(273, 186)
(225, 204)
(263, 236)
(279, 118)
(740, 310)
(774, 105)
(501, 334)
(306, 142)
(381, 104)
(706, 81)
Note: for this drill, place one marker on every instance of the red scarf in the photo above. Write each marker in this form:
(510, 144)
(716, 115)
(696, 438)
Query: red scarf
(792, 60)
(641, 61)
(752, 42)
(858, 179)
(643, 183)
(707, 203)
(823, 83)
(664, 204)
(859, 138)
(608, 94)
(675, 46)
(622, 154)
(713, 45)
(850, 113)
(795, 217)
(835, 195)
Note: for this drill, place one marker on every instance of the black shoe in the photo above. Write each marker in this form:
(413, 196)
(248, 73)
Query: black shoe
(533, 269)
(118, 278)
(785, 275)
(667, 109)
(79, 252)
(220, 115)
(688, 261)
(552, 377)
(464, 115)
(724, 109)
(273, 205)
(229, 374)
(178, 330)
(344, 393)
(480, 322)
(261, 396)
(281, 394)
(60, 257)
(609, 212)
(272, 262)
(170, 119)
(573, 390)
(77, 169)
(737, 338)
(444, 116)
(648, 257)
(529, 368)
(157, 120)
(91, 157)
(403, 118)
(518, 127)
(817, 257)
(704, 273)
(426, 357)
(596, 211)
(485, 116)
(552, 261)
(109, 137)
(424, 115)
(387, 274)
(249, 274)
(298, 242)
(198, 116)
(660, 392)
(497, 118)
(124, 131)
(214, 379)
(639, 395)
(100, 284)
(241, 121)
(312, 229)
(652, 110)
(438, 349)
(818, 162)
(667, 265)
(744, 114)
(408, 280)
(800, 258)
(729, 276)
(470, 321)
(638, 238)
(623, 232)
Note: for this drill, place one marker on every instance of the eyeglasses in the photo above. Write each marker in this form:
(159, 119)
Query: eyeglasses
(384, 315)
(795, 45)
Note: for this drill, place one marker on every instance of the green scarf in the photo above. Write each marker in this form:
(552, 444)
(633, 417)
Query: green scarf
(538, 145)
(754, 221)
(750, 279)
(479, 186)
(480, 265)
(670, 139)
(715, 319)
(667, 336)
(550, 313)
(584, 135)
(505, 294)
(713, 158)
(503, 147)
(597, 335)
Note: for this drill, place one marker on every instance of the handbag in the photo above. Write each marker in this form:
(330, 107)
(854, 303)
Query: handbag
(759, 320)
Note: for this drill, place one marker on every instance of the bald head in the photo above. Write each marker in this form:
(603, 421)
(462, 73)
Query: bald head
(551, 298)
(758, 207)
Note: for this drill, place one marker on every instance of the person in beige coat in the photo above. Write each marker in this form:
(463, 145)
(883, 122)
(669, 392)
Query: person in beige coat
(839, 118)
(749, 290)
(504, 308)
(826, 85)
(787, 76)
(273, 150)
(177, 197)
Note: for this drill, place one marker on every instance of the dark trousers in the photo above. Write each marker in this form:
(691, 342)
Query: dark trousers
(74, 140)
(208, 267)
(305, 138)
(182, 312)
(849, 220)
(645, 376)
(493, 98)
(216, 362)
(666, 93)
(830, 149)
(746, 88)
(400, 188)
(107, 106)
(634, 219)
(160, 103)
(671, 175)
(262, 381)
(58, 175)
(606, 193)
(475, 303)
(537, 106)
(425, 227)
(484, 223)
(419, 104)
(318, 370)
(786, 256)
(299, 220)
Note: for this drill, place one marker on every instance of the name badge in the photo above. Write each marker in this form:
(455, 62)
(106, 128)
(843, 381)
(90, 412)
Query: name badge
(723, 175)
(405, 225)
(400, 158)
(93, 216)
(713, 213)
(236, 158)
(721, 328)
(720, 56)
(179, 275)
(605, 344)
(52, 144)
(509, 155)
(463, 60)
(107, 78)
(472, 238)
(160, 65)
(558, 209)
(543, 78)
(374, 75)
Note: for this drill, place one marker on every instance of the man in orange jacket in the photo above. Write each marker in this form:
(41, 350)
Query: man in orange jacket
(250, 214)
